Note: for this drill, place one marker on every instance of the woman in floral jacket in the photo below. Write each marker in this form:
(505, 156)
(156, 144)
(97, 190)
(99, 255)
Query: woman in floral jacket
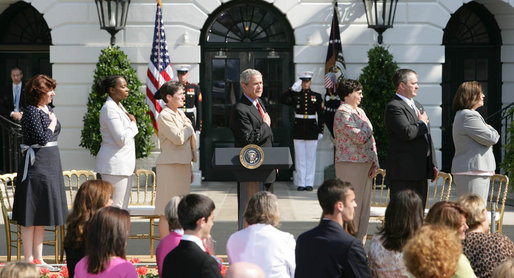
(356, 158)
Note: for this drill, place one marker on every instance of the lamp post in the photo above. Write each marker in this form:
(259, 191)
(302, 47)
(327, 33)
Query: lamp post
(380, 15)
(112, 15)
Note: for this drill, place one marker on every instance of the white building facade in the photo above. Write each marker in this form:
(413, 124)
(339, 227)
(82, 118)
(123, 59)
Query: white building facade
(416, 41)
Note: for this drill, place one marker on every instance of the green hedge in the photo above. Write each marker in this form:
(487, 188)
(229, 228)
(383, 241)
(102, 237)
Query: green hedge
(113, 61)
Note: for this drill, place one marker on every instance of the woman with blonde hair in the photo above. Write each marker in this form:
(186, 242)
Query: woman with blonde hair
(252, 244)
(473, 163)
(434, 252)
(505, 270)
(91, 196)
(19, 270)
(485, 251)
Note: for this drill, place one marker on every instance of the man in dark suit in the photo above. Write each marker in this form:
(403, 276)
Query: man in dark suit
(328, 250)
(12, 97)
(250, 123)
(411, 158)
(190, 258)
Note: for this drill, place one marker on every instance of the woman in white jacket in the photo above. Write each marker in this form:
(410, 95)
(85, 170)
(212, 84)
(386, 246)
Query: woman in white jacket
(473, 163)
(116, 159)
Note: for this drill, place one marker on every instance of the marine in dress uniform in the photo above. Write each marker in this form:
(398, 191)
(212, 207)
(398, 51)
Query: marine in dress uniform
(193, 103)
(307, 128)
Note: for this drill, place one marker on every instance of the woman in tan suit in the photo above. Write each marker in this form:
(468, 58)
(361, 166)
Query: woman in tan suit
(178, 151)
(356, 158)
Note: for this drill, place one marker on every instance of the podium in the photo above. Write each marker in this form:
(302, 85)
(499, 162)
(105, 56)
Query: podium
(250, 181)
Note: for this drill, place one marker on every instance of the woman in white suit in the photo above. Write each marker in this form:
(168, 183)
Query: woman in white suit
(473, 163)
(178, 151)
(116, 159)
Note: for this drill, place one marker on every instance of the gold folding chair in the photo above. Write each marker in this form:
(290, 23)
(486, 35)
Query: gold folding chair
(442, 187)
(12, 228)
(142, 204)
(497, 196)
(72, 181)
(379, 198)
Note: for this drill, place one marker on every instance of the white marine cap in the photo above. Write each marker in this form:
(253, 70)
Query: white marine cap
(306, 75)
(183, 68)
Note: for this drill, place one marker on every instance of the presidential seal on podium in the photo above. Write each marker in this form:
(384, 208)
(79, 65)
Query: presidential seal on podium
(251, 156)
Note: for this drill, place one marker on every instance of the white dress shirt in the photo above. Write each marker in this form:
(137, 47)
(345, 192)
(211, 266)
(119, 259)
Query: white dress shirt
(266, 246)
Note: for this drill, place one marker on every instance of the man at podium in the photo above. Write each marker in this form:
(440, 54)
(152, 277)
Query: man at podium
(250, 123)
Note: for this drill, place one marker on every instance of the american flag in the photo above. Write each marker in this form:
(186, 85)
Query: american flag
(159, 67)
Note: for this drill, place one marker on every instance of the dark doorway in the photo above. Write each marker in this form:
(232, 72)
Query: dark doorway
(237, 36)
(472, 42)
(25, 41)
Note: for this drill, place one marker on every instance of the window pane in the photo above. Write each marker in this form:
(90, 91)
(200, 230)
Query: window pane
(482, 67)
(469, 69)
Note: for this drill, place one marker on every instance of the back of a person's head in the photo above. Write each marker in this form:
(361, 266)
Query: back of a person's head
(19, 270)
(474, 206)
(446, 214)
(403, 218)
(193, 207)
(91, 196)
(107, 235)
(245, 270)
(262, 208)
(433, 252)
(171, 213)
(504, 270)
(331, 192)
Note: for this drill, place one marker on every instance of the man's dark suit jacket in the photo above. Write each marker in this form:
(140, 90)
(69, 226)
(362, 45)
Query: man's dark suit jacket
(328, 251)
(7, 103)
(408, 146)
(188, 260)
(249, 128)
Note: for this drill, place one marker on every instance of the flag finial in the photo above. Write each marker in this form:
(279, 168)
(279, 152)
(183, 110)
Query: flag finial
(159, 2)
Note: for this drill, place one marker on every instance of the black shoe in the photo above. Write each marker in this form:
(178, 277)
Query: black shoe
(300, 188)
(308, 188)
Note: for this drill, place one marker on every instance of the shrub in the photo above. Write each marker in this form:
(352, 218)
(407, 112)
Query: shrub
(378, 89)
(508, 160)
(113, 61)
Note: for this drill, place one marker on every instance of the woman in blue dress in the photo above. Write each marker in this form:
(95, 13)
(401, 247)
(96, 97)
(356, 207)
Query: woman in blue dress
(39, 198)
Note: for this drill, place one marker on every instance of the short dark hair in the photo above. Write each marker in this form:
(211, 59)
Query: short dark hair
(467, 95)
(403, 218)
(331, 192)
(346, 87)
(402, 75)
(108, 82)
(193, 207)
(107, 235)
(168, 88)
(37, 87)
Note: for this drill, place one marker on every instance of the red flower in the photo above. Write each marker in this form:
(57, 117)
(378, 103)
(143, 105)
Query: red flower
(142, 270)
(54, 276)
(36, 261)
(44, 271)
(224, 269)
(135, 261)
(64, 271)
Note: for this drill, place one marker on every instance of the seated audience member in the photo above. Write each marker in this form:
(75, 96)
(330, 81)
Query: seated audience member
(451, 215)
(19, 270)
(170, 241)
(244, 270)
(327, 250)
(189, 258)
(505, 270)
(261, 242)
(434, 251)
(106, 244)
(485, 251)
(91, 196)
(403, 218)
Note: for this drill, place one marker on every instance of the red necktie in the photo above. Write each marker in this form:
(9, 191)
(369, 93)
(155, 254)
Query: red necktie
(260, 109)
